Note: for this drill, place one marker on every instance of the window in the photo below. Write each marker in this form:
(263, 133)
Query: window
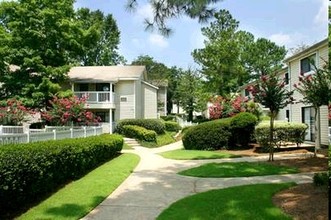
(103, 87)
(83, 87)
(246, 92)
(308, 117)
(286, 79)
(123, 99)
(307, 64)
(287, 115)
(103, 115)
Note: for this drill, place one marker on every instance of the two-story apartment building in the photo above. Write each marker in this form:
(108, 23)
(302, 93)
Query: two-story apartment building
(301, 63)
(115, 92)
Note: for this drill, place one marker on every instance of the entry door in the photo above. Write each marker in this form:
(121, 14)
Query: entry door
(308, 117)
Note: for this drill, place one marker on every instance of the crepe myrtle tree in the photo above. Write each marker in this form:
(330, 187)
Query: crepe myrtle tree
(270, 91)
(316, 91)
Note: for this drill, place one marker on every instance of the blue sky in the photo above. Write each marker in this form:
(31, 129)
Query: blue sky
(286, 22)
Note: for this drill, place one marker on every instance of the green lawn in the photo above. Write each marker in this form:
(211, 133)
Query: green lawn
(161, 140)
(78, 198)
(239, 169)
(240, 202)
(182, 154)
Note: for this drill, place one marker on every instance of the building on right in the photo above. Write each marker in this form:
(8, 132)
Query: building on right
(297, 64)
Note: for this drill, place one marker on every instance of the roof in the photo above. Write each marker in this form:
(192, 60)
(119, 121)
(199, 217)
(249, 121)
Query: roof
(106, 73)
(308, 50)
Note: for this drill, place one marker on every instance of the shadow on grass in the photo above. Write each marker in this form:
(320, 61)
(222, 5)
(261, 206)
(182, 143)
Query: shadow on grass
(72, 210)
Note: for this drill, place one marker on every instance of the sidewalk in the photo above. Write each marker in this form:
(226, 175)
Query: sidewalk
(154, 184)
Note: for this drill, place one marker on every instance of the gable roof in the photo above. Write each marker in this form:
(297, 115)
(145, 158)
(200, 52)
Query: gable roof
(106, 73)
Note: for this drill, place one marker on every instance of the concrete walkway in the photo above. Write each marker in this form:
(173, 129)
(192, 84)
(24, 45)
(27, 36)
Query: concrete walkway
(154, 184)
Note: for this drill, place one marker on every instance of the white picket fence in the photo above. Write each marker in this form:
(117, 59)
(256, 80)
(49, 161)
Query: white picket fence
(329, 135)
(20, 134)
(183, 123)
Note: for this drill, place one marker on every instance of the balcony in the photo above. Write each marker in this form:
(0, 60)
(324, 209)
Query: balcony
(97, 97)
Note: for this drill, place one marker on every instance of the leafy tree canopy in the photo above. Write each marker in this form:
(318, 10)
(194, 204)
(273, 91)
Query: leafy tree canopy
(40, 39)
(232, 57)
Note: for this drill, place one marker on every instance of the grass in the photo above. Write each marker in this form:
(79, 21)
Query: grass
(182, 154)
(78, 198)
(126, 146)
(239, 169)
(252, 202)
(161, 140)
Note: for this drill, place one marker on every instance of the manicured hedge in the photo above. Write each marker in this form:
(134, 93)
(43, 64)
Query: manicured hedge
(211, 135)
(30, 171)
(156, 125)
(242, 128)
(283, 132)
(140, 133)
(172, 126)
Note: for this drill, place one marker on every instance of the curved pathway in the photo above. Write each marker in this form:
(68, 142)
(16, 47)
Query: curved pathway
(154, 184)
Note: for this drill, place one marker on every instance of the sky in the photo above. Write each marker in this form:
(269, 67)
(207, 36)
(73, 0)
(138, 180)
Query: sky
(286, 22)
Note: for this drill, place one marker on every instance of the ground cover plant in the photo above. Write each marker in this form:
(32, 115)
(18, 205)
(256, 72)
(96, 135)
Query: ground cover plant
(78, 198)
(238, 169)
(182, 154)
(229, 204)
(156, 125)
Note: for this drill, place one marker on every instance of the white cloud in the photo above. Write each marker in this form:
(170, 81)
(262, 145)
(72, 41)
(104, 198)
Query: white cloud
(321, 17)
(158, 40)
(281, 39)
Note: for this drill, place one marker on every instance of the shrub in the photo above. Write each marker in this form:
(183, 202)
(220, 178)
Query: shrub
(211, 135)
(321, 179)
(140, 133)
(242, 128)
(283, 132)
(156, 125)
(172, 126)
(29, 171)
(169, 117)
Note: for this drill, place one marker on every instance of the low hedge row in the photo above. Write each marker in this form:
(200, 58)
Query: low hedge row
(283, 132)
(140, 133)
(30, 171)
(172, 126)
(156, 125)
(217, 134)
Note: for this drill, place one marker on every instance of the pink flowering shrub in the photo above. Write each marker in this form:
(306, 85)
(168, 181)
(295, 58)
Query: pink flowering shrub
(69, 111)
(13, 112)
(225, 107)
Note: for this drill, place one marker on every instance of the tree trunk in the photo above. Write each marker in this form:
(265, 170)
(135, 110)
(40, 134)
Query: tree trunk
(271, 137)
(317, 130)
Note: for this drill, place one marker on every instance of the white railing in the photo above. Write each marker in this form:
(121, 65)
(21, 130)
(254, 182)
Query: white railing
(11, 129)
(43, 135)
(329, 135)
(183, 123)
(107, 97)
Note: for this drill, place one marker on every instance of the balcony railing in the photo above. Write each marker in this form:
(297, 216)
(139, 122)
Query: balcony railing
(96, 97)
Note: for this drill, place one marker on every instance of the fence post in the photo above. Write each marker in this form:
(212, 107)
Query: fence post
(95, 131)
(54, 131)
(1, 129)
(28, 137)
(84, 131)
(71, 133)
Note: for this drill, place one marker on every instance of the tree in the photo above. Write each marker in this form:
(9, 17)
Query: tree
(166, 9)
(190, 95)
(232, 57)
(39, 40)
(101, 38)
(155, 70)
(220, 56)
(263, 57)
(271, 92)
(42, 36)
(316, 90)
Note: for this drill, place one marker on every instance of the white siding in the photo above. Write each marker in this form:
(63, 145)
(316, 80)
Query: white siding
(162, 98)
(125, 109)
(296, 109)
(150, 101)
(139, 100)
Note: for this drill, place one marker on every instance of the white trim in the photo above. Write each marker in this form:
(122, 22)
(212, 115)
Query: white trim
(146, 83)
